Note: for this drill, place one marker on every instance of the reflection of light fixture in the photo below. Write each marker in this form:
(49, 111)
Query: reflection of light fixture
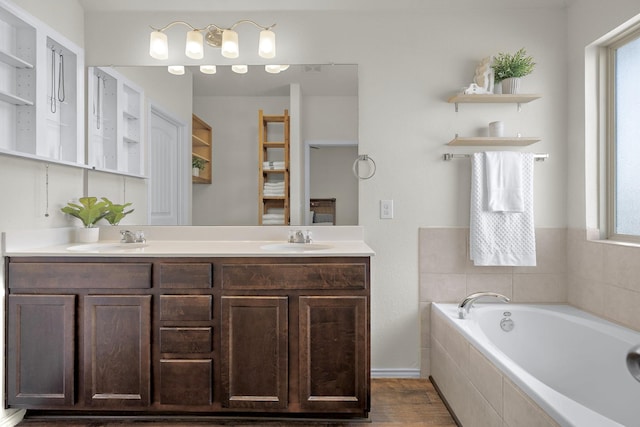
(275, 69)
(208, 69)
(178, 70)
(224, 38)
(240, 69)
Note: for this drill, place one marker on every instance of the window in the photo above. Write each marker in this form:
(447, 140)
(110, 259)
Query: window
(624, 138)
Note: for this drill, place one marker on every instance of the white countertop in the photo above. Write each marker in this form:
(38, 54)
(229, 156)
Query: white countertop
(190, 242)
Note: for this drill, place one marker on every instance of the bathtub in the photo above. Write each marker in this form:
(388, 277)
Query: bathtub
(570, 363)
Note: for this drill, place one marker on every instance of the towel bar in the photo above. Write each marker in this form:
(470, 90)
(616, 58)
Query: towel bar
(539, 157)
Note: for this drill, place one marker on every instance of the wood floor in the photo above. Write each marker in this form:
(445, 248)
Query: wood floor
(394, 402)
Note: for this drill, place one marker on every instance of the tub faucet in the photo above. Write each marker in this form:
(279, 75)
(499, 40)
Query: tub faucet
(465, 305)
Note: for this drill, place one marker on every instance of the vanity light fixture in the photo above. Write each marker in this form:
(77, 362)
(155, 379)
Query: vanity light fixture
(275, 69)
(224, 38)
(240, 69)
(178, 70)
(208, 69)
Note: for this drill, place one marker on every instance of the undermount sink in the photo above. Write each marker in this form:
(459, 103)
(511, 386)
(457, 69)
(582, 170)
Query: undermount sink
(105, 247)
(295, 247)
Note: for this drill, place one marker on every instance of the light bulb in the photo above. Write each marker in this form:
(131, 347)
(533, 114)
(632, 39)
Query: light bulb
(273, 69)
(158, 45)
(267, 45)
(240, 69)
(178, 70)
(208, 69)
(230, 47)
(194, 48)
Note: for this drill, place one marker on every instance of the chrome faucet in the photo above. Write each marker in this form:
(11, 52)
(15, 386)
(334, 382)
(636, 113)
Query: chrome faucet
(299, 236)
(465, 305)
(131, 237)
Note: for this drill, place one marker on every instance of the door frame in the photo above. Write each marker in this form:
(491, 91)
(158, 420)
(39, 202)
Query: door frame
(183, 186)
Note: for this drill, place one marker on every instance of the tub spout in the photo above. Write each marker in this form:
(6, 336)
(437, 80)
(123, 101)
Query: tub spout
(465, 305)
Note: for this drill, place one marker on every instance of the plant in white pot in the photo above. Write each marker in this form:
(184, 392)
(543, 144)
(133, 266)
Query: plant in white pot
(509, 68)
(197, 164)
(88, 210)
(116, 212)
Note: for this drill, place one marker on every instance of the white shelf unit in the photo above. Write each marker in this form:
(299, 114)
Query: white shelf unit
(35, 63)
(115, 134)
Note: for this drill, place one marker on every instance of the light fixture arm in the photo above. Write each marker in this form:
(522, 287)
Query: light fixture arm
(171, 24)
(208, 27)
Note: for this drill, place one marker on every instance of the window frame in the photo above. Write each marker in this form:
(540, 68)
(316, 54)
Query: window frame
(610, 165)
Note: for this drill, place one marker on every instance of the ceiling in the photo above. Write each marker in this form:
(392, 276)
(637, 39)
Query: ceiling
(308, 5)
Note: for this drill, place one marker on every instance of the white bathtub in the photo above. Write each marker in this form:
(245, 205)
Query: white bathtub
(572, 364)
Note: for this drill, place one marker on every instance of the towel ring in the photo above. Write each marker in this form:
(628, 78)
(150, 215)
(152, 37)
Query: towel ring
(356, 168)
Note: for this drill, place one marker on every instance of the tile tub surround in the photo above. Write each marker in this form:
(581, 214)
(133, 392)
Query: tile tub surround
(603, 277)
(448, 275)
(476, 391)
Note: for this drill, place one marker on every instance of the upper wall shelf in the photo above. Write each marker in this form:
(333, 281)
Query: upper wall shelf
(493, 141)
(519, 99)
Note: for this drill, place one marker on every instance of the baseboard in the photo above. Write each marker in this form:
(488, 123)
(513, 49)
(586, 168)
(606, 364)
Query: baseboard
(394, 373)
(10, 420)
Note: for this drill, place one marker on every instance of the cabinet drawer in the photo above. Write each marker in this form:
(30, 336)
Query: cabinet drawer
(295, 276)
(85, 275)
(185, 340)
(185, 276)
(186, 382)
(185, 307)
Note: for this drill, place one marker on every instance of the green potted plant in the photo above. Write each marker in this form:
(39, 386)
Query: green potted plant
(197, 164)
(509, 68)
(116, 212)
(88, 210)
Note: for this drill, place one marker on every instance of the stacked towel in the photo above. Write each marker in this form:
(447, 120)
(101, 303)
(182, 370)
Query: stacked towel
(504, 236)
(273, 218)
(273, 165)
(504, 181)
(273, 188)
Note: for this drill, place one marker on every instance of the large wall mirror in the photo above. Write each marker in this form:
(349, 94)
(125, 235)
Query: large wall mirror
(322, 101)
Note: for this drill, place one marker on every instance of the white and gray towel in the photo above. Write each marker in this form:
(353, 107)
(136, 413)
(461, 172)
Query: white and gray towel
(503, 237)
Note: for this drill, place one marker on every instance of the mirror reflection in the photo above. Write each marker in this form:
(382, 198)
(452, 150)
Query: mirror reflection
(322, 102)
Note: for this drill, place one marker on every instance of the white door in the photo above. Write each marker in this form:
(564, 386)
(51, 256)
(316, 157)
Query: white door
(166, 170)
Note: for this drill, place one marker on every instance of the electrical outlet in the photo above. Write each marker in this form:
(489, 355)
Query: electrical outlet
(386, 209)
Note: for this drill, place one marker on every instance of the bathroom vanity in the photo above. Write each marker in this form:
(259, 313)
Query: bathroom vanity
(204, 327)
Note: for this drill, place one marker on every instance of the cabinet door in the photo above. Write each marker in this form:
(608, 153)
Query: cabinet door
(334, 354)
(117, 356)
(255, 352)
(41, 350)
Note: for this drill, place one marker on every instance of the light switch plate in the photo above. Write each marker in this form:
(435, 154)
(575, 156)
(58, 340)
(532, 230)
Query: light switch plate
(386, 209)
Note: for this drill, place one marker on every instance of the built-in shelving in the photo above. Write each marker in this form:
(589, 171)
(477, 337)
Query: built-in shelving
(201, 148)
(115, 117)
(42, 91)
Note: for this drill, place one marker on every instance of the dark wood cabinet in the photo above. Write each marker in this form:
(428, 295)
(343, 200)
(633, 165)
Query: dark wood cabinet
(216, 336)
(255, 349)
(116, 346)
(40, 350)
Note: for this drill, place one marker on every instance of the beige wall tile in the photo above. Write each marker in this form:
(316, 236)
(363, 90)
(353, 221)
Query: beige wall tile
(481, 413)
(540, 288)
(442, 250)
(586, 294)
(438, 287)
(621, 266)
(585, 259)
(551, 252)
(486, 378)
(520, 411)
(621, 306)
(500, 283)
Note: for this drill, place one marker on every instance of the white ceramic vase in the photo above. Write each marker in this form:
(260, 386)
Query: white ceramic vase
(511, 85)
(87, 235)
(195, 171)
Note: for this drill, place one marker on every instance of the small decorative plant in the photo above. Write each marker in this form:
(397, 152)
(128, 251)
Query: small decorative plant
(197, 162)
(115, 212)
(89, 211)
(506, 65)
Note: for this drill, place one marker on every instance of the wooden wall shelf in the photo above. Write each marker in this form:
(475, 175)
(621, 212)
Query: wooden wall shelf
(201, 139)
(495, 141)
